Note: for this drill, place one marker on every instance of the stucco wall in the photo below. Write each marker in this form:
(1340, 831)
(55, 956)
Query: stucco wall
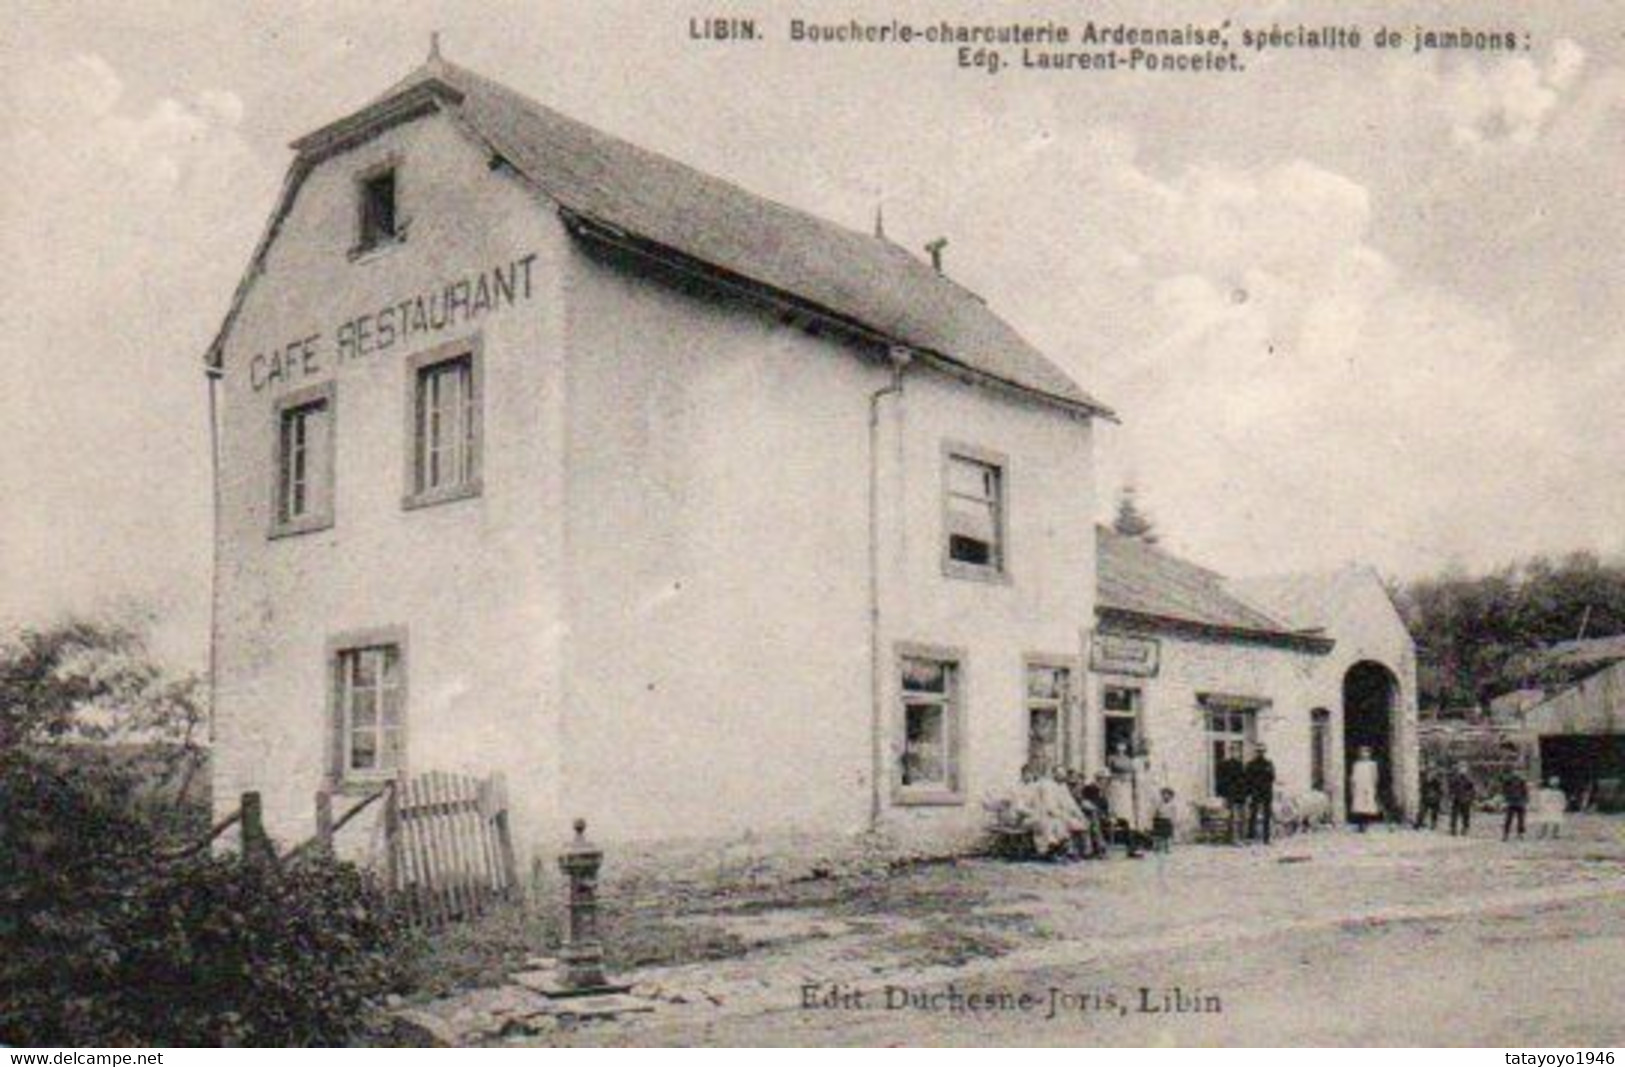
(468, 581)
(1366, 627)
(655, 614)
(1043, 607)
(1173, 719)
(719, 652)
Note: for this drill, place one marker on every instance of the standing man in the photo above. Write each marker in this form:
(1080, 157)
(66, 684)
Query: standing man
(1260, 779)
(1515, 791)
(1432, 798)
(1462, 794)
(1229, 779)
(1363, 778)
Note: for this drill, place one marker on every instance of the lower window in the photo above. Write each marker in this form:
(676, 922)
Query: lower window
(929, 763)
(1121, 722)
(1231, 735)
(1320, 747)
(370, 697)
(1048, 693)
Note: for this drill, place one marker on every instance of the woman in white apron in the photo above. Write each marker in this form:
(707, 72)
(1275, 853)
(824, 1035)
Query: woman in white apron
(1120, 797)
(1364, 806)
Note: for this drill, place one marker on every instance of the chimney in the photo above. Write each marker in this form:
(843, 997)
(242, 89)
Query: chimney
(935, 248)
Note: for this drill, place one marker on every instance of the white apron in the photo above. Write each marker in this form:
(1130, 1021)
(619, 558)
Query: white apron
(1363, 788)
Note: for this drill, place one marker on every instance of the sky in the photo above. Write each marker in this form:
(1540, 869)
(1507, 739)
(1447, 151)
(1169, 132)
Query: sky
(1358, 306)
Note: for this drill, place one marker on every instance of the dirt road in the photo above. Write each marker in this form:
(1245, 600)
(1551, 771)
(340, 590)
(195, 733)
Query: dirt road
(1342, 940)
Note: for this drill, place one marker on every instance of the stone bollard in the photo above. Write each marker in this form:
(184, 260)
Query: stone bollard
(582, 956)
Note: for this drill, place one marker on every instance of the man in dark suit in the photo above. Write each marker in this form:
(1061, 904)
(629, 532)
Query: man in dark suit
(1260, 778)
(1462, 795)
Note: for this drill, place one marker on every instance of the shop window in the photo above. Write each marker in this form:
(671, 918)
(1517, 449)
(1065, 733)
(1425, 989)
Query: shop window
(1048, 696)
(929, 762)
(975, 508)
(1122, 706)
(1320, 747)
(302, 494)
(1232, 733)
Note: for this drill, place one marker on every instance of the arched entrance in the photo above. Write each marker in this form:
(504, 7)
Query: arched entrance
(1370, 697)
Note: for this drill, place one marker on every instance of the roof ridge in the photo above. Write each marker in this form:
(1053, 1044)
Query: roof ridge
(1046, 377)
(651, 202)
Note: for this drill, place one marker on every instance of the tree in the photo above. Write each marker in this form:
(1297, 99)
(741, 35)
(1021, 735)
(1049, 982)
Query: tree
(1479, 636)
(95, 681)
(1130, 520)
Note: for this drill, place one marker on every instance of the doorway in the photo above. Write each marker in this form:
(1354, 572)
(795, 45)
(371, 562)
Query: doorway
(1370, 693)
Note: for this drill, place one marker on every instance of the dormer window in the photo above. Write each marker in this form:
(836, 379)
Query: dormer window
(380, 222)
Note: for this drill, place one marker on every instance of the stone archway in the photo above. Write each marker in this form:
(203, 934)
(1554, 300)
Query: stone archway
(1371, 720)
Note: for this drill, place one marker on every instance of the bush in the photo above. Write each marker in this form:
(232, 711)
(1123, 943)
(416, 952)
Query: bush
(101, 945)
(223, 953)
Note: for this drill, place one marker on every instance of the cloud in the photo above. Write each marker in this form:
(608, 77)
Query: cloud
(1489, 101)
(118, 213)
(1291, 396)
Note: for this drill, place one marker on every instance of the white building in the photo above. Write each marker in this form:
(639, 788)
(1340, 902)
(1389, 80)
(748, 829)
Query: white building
(689, 512)
(1203, 667)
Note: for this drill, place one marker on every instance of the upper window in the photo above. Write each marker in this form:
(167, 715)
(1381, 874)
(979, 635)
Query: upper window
(974, 505)
(370, 698)
(380, 221)
(1048, 693)
(303, 491)
(930, 744)
(445, 432)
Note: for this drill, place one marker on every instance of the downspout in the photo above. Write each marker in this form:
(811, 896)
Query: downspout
(213, 373)
(900, 358)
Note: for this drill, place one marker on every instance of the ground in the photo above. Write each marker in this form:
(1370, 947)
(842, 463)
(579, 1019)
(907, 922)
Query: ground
(1392, 937)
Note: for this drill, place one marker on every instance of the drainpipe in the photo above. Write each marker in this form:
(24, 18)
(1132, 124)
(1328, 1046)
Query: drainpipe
(213, 374)
(900, 358)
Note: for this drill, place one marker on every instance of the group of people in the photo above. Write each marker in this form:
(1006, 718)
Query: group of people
(1542, 808)
(1071, 816)
(1248, 792)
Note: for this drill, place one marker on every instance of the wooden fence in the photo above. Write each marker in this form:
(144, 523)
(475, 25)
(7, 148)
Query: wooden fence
(448, 849)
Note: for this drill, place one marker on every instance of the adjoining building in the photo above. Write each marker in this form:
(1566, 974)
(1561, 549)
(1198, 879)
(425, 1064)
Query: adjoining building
(1205, 667)
(689, 512)
(1577, 734)
(1367, 684)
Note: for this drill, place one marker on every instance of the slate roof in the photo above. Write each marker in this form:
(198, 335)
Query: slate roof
(1143, 580)
(1303, 600)
(620, 188)
(1586, 652)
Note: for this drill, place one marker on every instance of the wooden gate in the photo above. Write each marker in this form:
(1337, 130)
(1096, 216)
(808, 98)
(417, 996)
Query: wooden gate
(449, 849)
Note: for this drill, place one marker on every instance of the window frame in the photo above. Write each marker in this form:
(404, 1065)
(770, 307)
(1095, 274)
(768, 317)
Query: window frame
(364, 180)
(1251, 711)
(1320, 749)
(998, 570)
(1107, 715)
(321, 516)
(955, 789)
(1066, 704)
(417, 367)
(340, 775)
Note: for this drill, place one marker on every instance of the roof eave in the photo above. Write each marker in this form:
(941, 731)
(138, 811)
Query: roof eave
(358, 126)
(587, 226)
(1298, 640)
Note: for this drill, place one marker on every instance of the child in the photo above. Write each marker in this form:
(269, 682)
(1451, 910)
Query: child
(1550, 804)
(1162, 822)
